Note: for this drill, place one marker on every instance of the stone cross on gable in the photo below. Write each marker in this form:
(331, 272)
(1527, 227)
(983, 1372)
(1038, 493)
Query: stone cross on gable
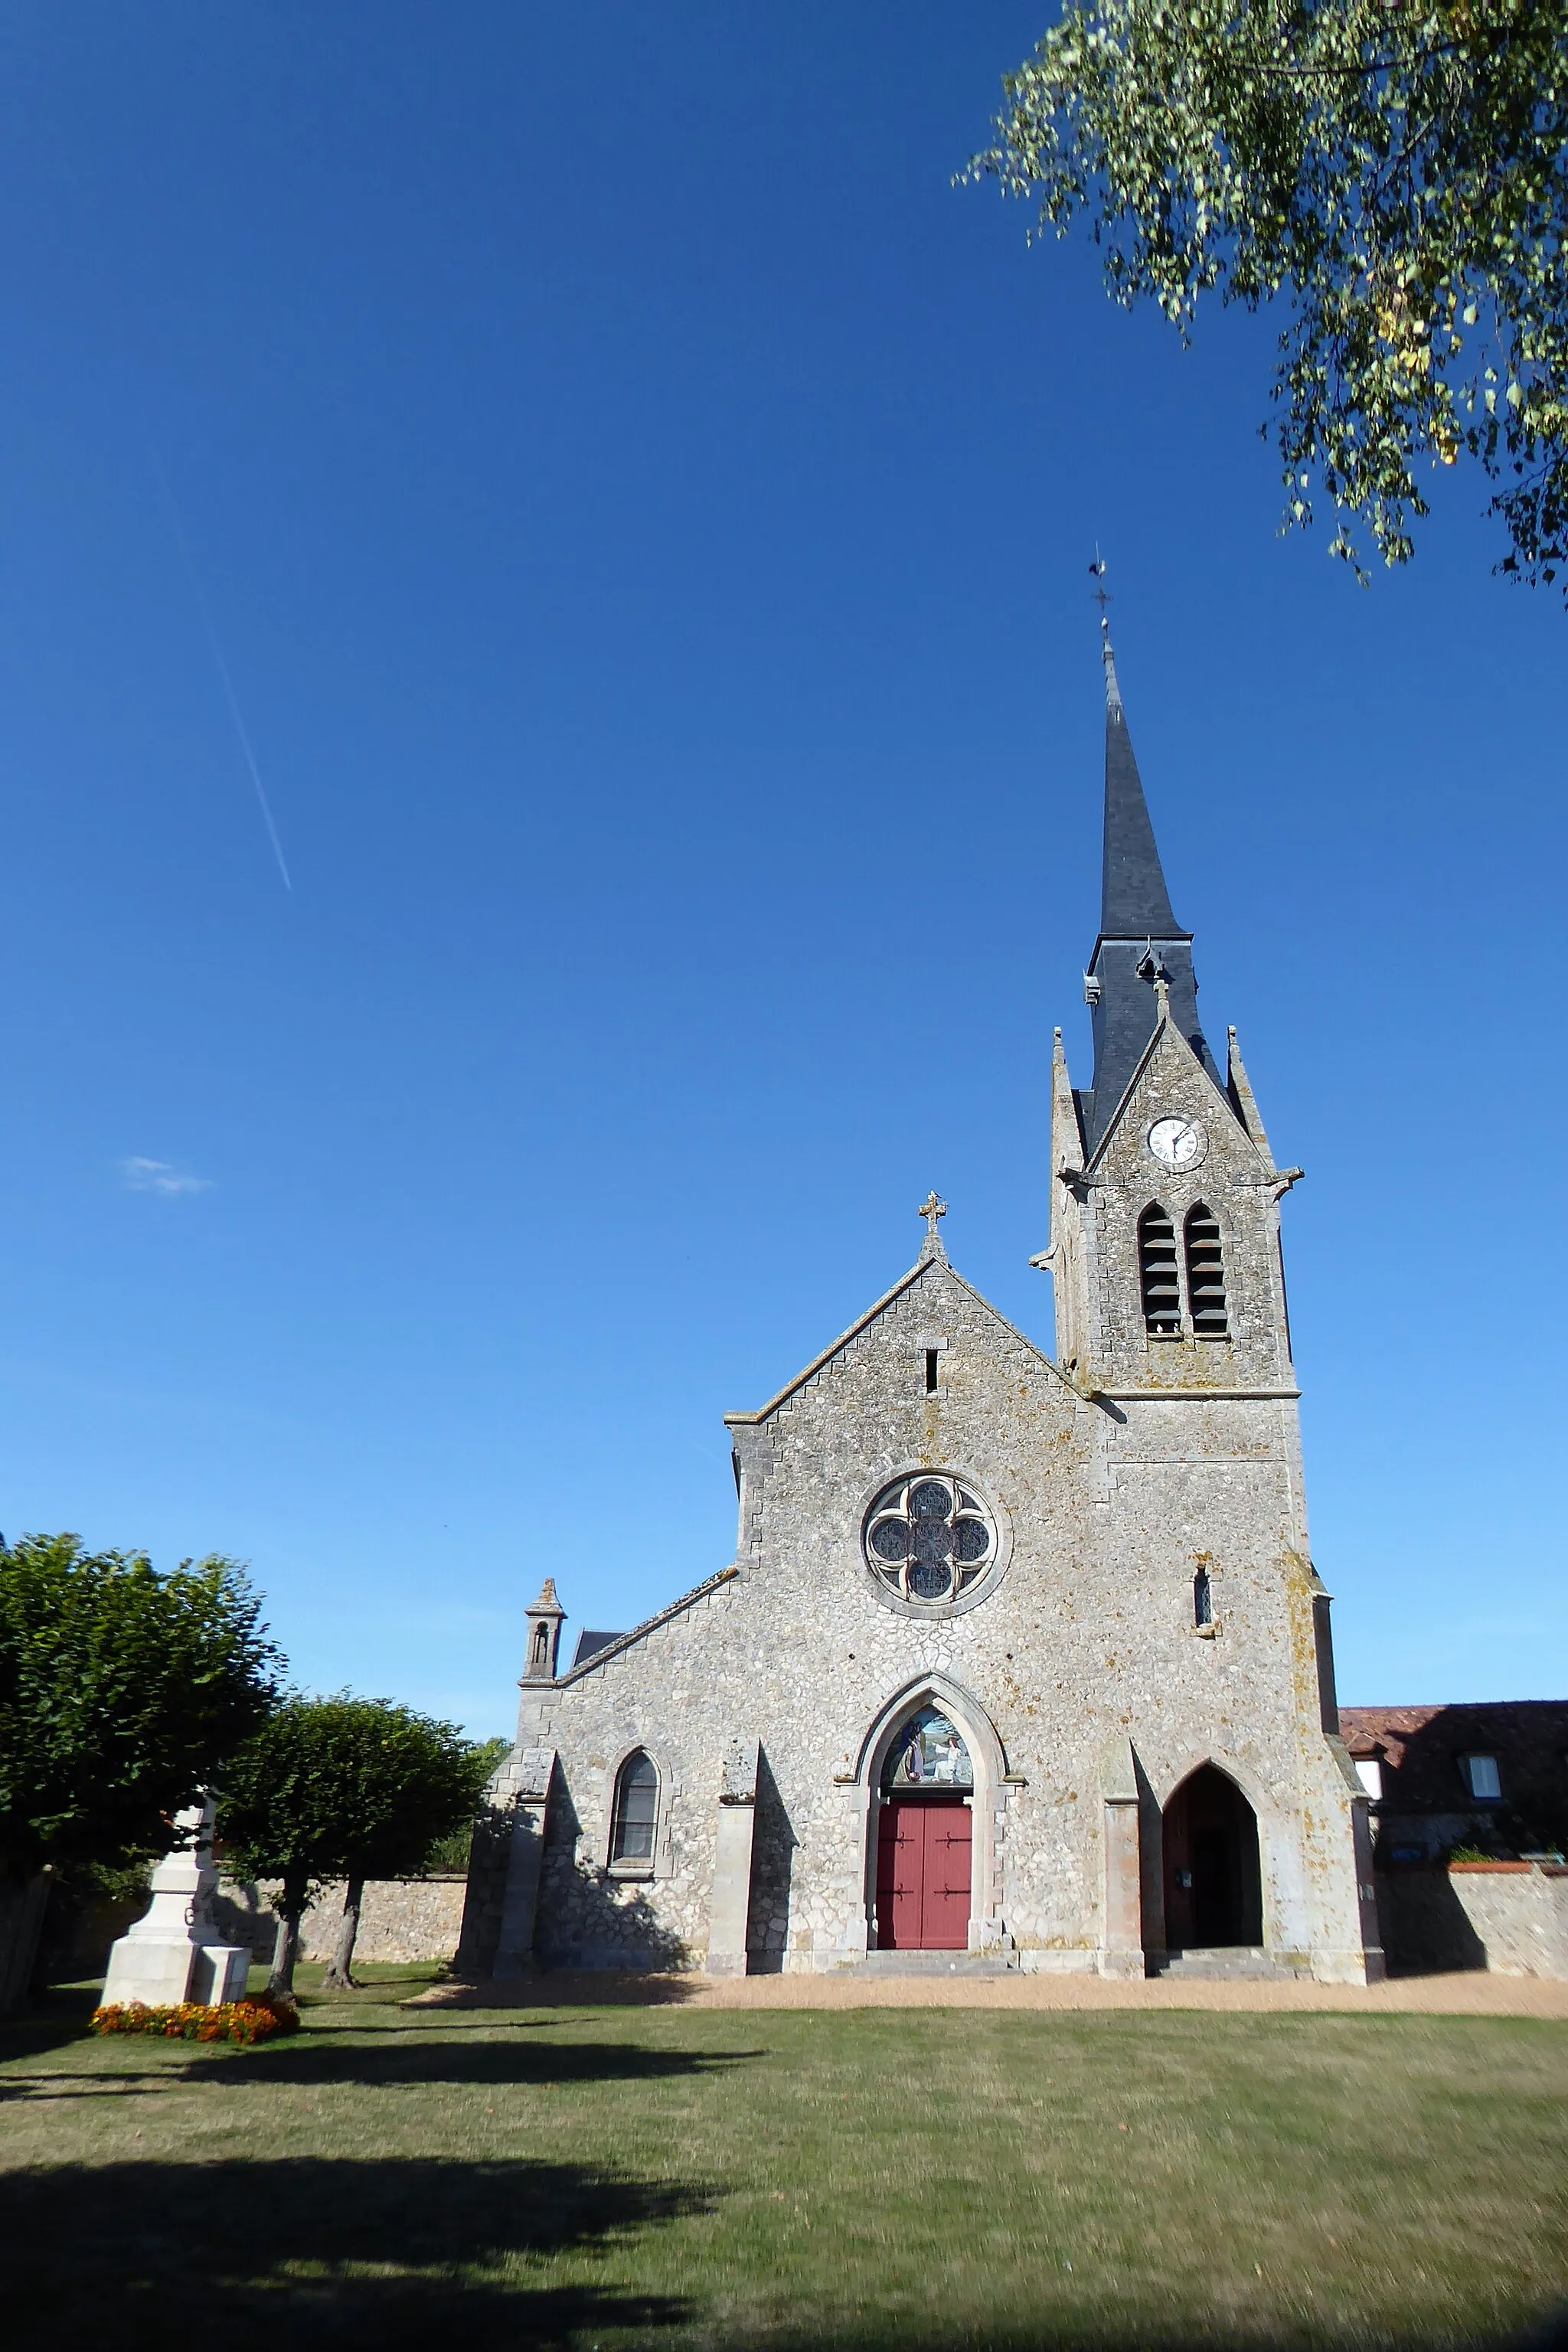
(931, 1209)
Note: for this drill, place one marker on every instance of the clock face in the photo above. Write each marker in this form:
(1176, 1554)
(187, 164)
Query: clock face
(1176, 1143)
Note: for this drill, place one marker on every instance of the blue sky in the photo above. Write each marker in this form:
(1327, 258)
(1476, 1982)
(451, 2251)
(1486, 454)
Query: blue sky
(644, 509)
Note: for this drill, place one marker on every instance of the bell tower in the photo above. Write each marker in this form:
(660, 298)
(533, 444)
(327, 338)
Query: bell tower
(1165, 1195)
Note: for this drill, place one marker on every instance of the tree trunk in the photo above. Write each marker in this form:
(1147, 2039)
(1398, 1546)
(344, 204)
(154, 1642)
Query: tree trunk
(292, 1903)
(23, 1901)
(338, 1977)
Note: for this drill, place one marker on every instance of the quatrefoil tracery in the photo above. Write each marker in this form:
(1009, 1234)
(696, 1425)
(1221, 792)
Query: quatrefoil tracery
(930, 1537)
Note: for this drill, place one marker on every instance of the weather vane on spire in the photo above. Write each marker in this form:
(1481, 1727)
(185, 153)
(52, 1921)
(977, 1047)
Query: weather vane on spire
(1099, 593)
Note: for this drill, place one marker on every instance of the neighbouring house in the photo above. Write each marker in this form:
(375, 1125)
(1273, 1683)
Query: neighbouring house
(1490, 1780)
(1469, 1819)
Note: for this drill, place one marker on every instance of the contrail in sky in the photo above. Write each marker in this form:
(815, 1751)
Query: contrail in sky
(200, 594)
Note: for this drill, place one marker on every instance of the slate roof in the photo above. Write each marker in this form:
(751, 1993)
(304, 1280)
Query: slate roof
(1134, 903)
(590, 1644)
(1137, 928)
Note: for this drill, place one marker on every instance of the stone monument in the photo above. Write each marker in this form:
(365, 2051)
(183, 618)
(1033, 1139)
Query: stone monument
(173, 1952)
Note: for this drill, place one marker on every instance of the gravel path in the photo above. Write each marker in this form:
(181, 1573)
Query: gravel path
(1473, 1993)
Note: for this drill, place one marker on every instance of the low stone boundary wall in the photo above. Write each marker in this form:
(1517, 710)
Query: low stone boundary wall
(76, 1935)
(401, 1919)
(1509, 1916)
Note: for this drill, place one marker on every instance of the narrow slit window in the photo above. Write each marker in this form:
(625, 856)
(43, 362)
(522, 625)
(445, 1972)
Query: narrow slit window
(1203, 1599)
(637, 1809)
(1206, 1274)
(933, 1357)
(1157, 1272)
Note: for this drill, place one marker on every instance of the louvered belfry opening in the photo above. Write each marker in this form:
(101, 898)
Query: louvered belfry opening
(1206, 1274)
(1157, 1273)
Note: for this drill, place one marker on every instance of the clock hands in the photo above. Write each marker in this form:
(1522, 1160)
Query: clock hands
(1175, 1142)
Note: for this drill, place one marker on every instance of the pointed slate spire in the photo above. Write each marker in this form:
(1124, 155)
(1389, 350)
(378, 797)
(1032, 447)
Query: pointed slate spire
(1140, 943)
(1135, 902)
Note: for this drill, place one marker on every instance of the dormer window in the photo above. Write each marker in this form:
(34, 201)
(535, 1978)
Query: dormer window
(1481, 1777)
(1157, 1274)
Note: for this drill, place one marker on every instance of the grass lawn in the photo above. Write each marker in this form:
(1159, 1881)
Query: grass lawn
(610, 2177)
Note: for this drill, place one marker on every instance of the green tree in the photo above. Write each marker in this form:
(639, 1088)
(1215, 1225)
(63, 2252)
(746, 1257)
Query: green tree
(120, 1692)
(342, 1787)
(1393, 173)
(451, 1852)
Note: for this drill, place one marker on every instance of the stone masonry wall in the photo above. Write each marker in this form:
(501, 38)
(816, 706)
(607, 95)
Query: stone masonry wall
(1233, 1178)
(401, 1919)
(1225, 1475)
(1087, 1640)
(1509, 1916)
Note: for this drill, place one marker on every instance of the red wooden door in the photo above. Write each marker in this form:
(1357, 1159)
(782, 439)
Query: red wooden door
(901, 1874)
(923, 1877)
(946, 1912)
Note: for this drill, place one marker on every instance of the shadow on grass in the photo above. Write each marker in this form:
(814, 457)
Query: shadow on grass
(380, 2251)
(313, 2059)
(33, 2036)
(398, 2254)
(382, 2058)
(395, 1985)
(61, 2016)
(563, 1989)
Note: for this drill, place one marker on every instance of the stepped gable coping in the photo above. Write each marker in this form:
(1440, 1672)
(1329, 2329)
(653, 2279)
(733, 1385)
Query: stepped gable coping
(624, 1640)
(922, 1265)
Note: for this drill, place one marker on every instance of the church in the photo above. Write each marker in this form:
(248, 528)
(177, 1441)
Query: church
(1020, 1664)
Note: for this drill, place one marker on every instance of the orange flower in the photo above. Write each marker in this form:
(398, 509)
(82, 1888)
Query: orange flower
(244, 2021)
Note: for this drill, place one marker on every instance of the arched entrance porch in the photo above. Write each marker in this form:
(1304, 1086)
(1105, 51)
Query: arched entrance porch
(923, 1816)
(1213, 1883)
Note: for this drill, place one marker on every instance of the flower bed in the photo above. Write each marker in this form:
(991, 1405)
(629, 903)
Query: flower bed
(255, 2020)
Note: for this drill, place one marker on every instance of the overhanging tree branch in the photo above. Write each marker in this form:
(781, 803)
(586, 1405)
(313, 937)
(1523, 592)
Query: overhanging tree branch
(1407, 197)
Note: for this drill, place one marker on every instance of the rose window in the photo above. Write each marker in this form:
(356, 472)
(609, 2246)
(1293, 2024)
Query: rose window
(930, 1537)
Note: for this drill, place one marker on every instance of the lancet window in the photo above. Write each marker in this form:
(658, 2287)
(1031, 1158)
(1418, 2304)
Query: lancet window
(636, 1809)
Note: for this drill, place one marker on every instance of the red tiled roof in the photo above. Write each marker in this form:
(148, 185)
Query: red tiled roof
(1420, 1748)
(1365, 1730)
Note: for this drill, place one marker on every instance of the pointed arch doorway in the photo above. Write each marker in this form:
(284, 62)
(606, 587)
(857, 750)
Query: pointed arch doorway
(925, 1838)
(1213, 1885)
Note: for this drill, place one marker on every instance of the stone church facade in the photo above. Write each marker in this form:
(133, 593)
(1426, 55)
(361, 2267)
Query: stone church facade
(1018, 1661)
